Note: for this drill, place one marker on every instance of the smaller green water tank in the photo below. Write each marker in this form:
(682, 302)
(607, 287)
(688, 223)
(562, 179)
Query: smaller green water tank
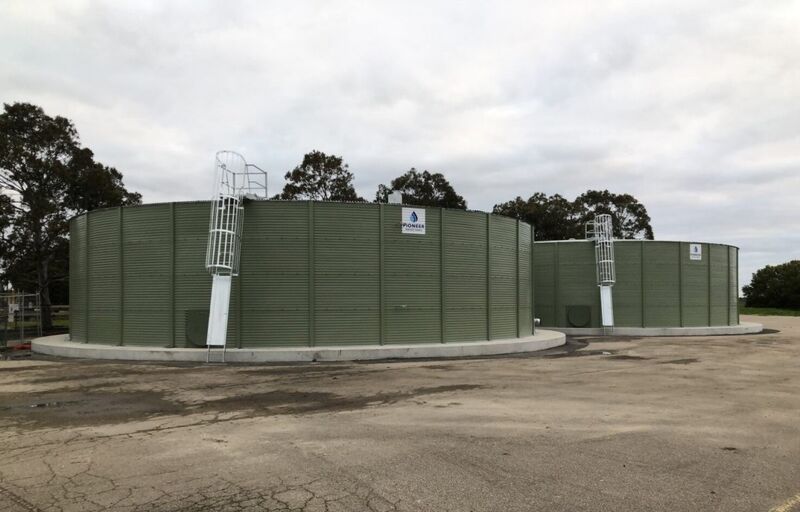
(658, 284)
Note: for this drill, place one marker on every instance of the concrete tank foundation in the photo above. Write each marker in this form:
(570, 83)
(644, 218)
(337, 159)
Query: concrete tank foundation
(721, 330)
(59, 346)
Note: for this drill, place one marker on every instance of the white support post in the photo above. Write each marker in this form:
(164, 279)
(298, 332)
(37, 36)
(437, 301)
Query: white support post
(218, 312)
(606, 306)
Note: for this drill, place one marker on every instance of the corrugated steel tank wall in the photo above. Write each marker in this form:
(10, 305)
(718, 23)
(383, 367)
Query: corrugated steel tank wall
(312, 273)
(658, 284)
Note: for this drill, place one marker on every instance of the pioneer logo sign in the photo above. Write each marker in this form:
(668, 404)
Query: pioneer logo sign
(413, 221)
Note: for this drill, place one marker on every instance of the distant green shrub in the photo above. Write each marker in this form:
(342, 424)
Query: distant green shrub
(775, 287)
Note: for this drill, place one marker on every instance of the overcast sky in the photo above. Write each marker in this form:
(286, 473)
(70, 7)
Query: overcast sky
(692, 107)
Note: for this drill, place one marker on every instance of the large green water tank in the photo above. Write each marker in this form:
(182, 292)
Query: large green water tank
(658, 284)
(312, 274)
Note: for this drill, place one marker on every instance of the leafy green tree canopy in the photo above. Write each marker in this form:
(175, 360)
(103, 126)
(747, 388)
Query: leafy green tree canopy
(775, 286)
(628, 216)
(552, 217)
(320, 177)
(45, 178)
(423, 189)
(557, 218)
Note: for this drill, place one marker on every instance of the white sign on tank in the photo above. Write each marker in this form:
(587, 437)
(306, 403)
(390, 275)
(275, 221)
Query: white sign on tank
(413, 221)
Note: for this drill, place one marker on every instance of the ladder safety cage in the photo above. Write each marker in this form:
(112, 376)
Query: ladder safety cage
(235, 181)
(601, 230)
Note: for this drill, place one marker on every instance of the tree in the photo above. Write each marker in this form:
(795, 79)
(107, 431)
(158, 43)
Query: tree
(321, 177)
(775, 287)
(96, 185)
(556, 218)
(423, 189)
(553, 217)
(46, 177)
(628, 216)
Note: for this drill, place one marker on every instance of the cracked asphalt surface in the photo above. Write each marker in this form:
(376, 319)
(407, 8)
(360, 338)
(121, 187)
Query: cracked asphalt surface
(622, 424)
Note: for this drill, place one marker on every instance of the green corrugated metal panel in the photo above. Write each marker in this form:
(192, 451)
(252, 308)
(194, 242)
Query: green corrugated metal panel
(658, 284)
(412, 282)
(627, 292)
(694, 287)
(718, 257)
(274, 274)
(465, 274)
(192, 282)
(733, 286)
(545, 279)
(346, 274)
(77, 279)
(525, 303)
(577, 281)
(104, 278)
(532, 284)
(661, 284)
(234, 333)
(503, 277)
(148, 263)
(146, 253)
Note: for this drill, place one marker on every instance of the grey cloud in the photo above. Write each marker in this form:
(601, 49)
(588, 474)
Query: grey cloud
(689, 106)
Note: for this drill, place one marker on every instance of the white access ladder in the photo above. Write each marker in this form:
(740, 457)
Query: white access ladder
(601, 230)
(235, 182)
